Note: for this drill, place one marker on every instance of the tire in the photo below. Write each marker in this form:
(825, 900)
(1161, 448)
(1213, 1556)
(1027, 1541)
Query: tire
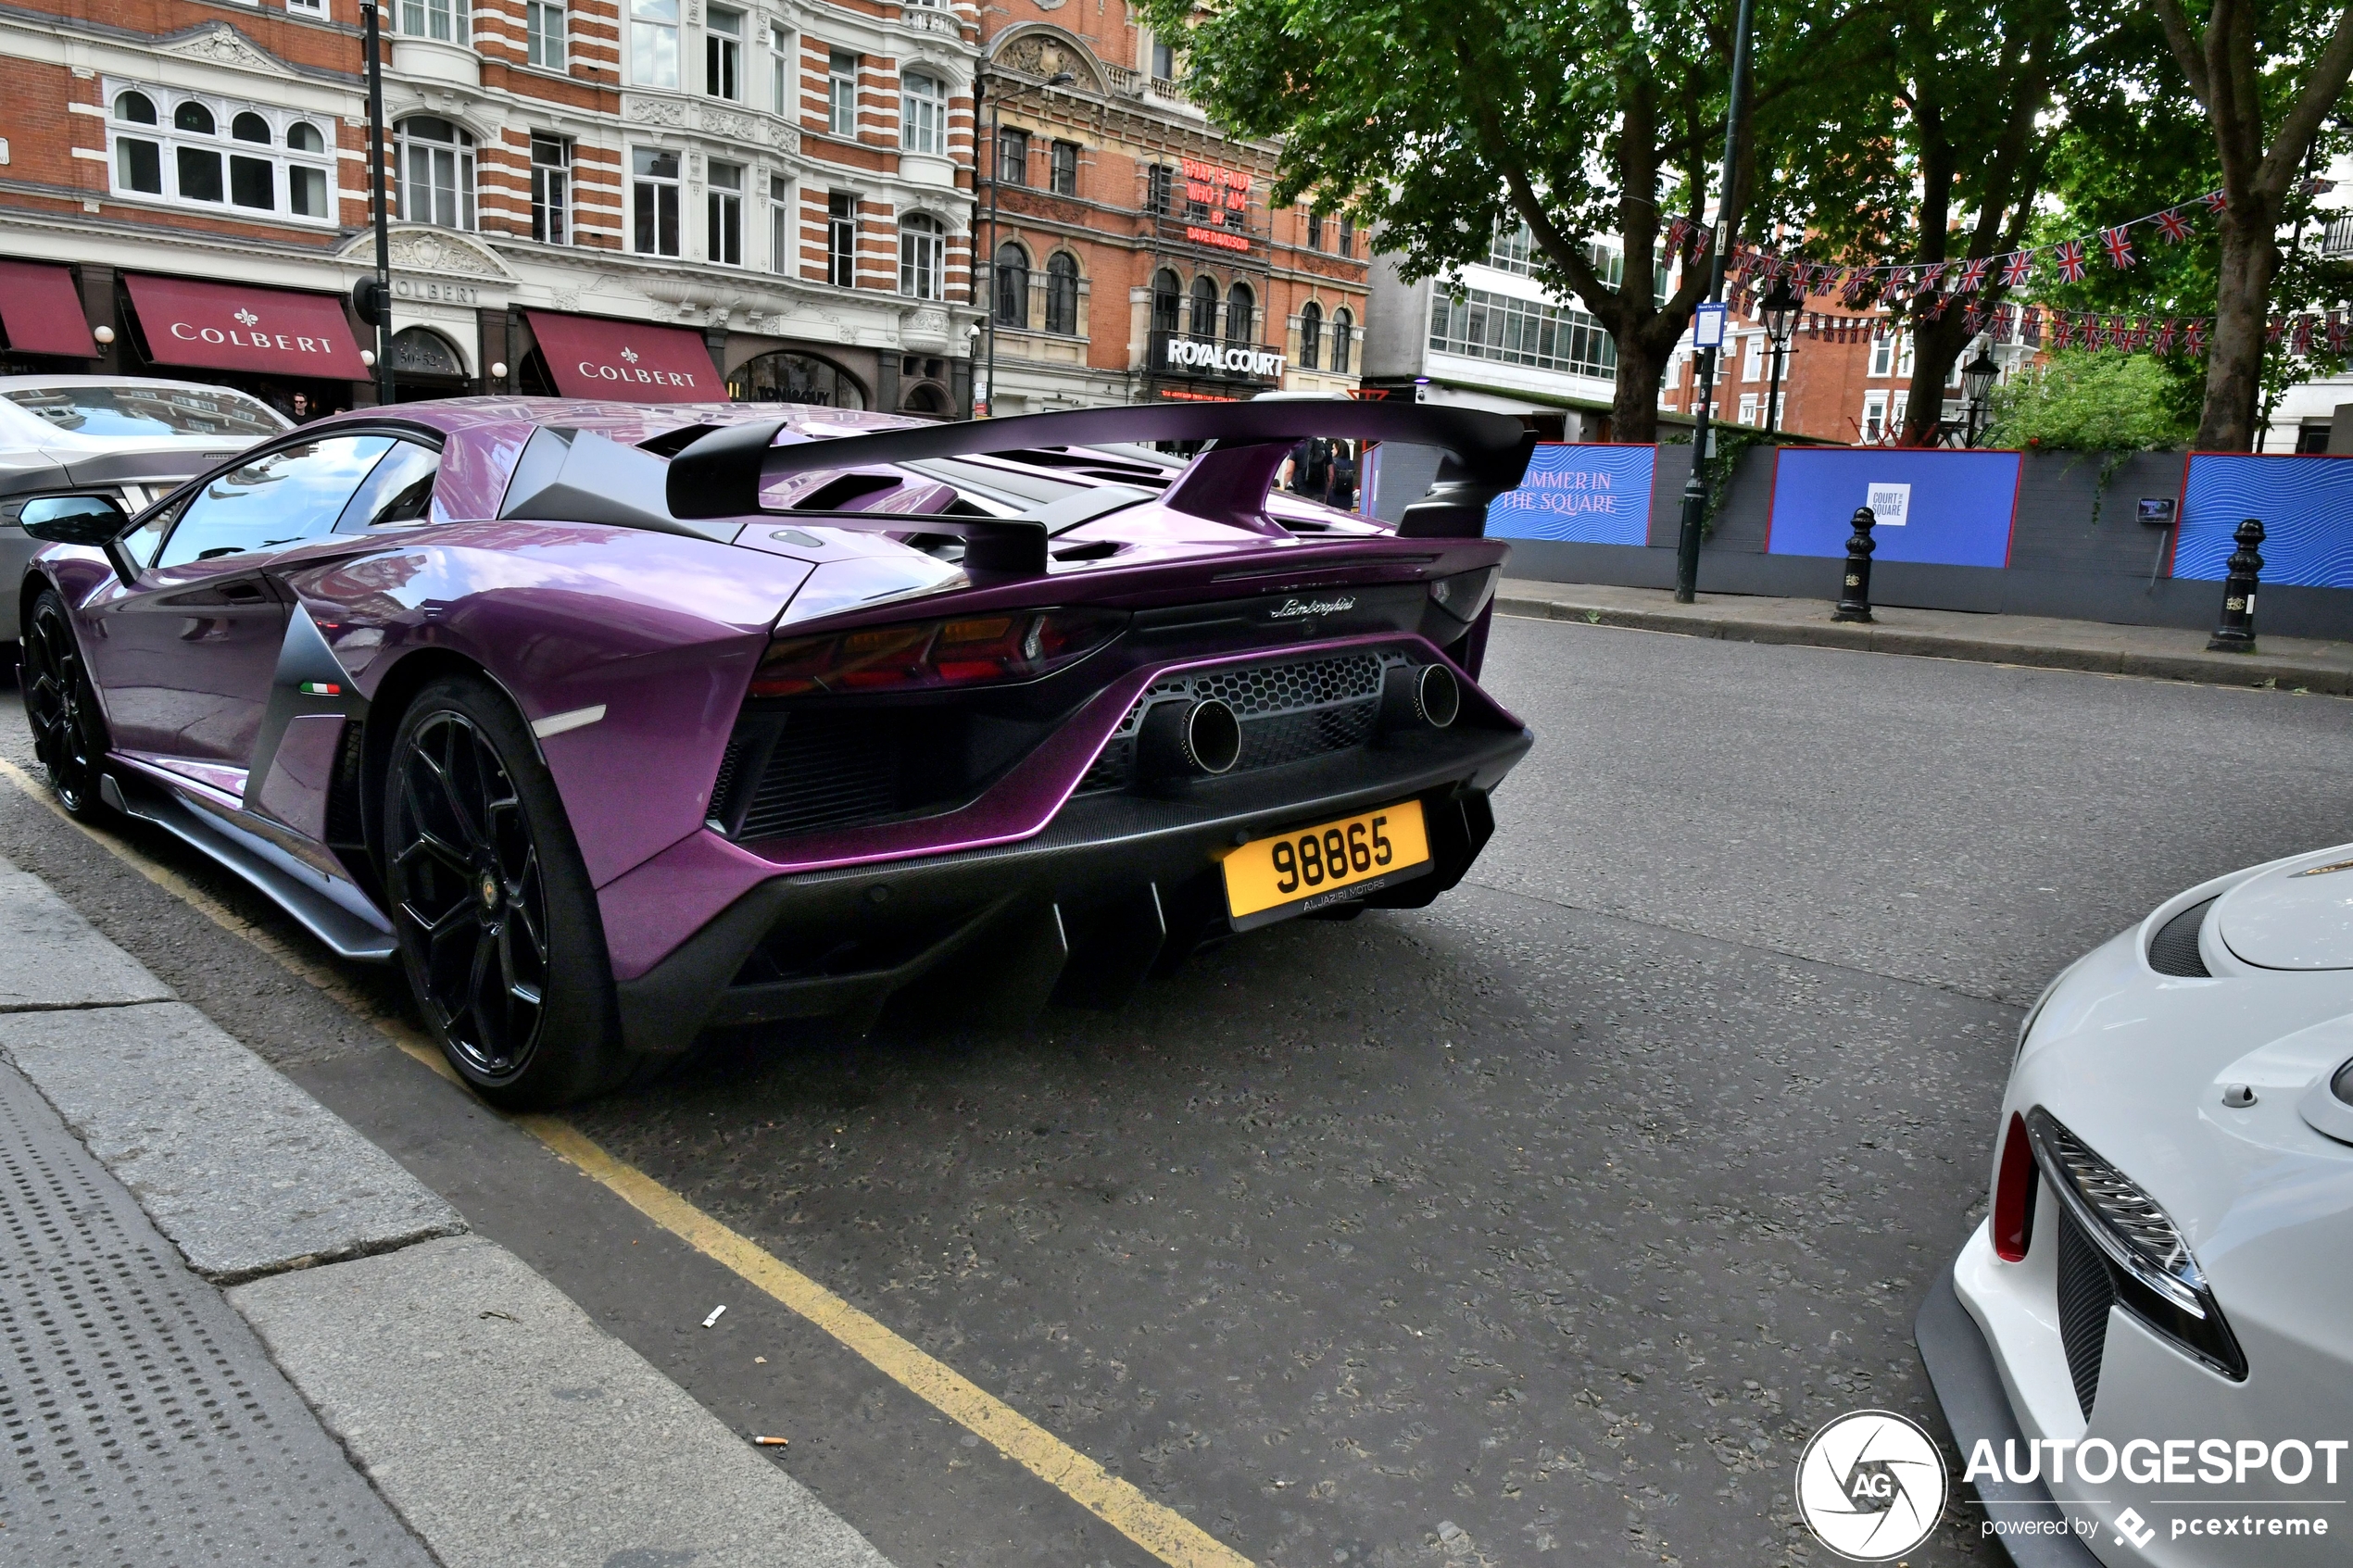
(61, 708)
(491, 905)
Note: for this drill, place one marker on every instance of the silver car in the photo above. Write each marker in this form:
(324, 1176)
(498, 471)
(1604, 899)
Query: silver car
(135, 437)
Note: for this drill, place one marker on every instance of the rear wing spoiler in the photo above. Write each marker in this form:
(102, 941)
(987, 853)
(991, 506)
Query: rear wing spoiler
(1486, 453)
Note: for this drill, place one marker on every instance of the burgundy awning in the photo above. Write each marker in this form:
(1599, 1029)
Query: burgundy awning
(241, 327)
(637, 362)
(41, 310)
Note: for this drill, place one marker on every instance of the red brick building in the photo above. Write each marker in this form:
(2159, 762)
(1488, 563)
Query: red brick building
(786, 182)
(1136, 258)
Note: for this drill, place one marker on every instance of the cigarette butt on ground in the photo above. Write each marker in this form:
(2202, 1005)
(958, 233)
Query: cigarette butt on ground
(715, 1314)
(772, 1442)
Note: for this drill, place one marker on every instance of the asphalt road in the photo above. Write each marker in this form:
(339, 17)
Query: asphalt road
(1540, 1226)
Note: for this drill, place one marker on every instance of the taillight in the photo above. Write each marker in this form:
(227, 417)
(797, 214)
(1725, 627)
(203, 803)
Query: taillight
(968, 650)
(2014, 1194)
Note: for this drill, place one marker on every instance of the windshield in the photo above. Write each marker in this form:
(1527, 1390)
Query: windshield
(149, 410)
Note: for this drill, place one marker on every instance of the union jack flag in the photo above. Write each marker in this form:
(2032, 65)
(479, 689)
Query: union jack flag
(2272, 334)
(1851, 292)
(2172, 225)
(2336, 332)
(2215, 201)
(2300, 341)
(2068, 254)
(2120, 246)
(2140, 335)
(1936, 306)
(2004, 324)
(2193, 337)
(2167, 335)
(1930, 278)
(2018, 269)
(1973, 319)
(2030, 327)
(1678, 228)
(1973, 275)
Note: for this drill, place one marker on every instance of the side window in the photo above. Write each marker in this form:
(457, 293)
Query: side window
(277, 499)
(398, 491)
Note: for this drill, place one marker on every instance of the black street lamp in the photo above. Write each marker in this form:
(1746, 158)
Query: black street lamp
(1778, 307)
(987, 267)
(1976, 379)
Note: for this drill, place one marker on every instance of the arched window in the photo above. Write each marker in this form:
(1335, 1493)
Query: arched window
(1061, 294)
(924, 398)
(423, 352)
(784, 377)
(304, 137)
(1241, 315)
(1168, 301)
(1311, 335)
(136, 107)
(434, 171)
(1204, 321)
(193, 116)
(923, 257)
(1343, 327)
(250, 127)
(1012, 289)
(923, 114)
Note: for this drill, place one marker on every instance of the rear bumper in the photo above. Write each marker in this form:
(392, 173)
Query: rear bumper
(1116, 886)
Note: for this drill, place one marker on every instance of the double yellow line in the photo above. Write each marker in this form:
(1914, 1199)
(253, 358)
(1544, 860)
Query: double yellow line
(1162, 1531)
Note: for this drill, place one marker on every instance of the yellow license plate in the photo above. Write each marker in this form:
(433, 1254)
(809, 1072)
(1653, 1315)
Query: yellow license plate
(1331, 863)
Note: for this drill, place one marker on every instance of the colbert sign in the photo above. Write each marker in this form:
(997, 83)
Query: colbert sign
(591, 357)
(232, 327)
(1175, 354)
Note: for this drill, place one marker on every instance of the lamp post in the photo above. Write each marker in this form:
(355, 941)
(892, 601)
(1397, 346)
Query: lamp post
(378, 310)
(1695, 487)
(1976, 379)
(1778, 307)
(996, 108)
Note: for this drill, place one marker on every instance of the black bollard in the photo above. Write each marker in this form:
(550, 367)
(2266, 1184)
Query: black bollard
(2235, 633)
(1854, 596)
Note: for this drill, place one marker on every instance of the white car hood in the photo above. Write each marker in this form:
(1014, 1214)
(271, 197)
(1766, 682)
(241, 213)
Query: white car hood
(2297, 914)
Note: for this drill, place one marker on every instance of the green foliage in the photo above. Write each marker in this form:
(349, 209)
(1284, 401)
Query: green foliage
(2087, 401)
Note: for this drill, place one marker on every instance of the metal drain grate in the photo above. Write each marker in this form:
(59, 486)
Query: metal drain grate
(143, 1420)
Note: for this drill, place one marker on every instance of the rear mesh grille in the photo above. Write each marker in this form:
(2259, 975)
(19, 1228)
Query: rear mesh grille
(1291, 711)
(826, 770)
(2085, 1293)
(2174, 951)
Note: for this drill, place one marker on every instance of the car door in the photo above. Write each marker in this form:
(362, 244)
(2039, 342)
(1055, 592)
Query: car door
(185, 654)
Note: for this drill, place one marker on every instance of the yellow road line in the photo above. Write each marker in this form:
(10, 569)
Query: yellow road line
(1162, 1531)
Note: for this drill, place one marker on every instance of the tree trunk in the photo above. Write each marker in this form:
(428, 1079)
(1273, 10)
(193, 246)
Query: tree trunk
(1633, 409)
(2234, 359)
(1936, 345)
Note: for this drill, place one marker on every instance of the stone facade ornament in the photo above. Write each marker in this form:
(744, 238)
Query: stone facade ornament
(654, 111)
(725, 122)
(221, 44)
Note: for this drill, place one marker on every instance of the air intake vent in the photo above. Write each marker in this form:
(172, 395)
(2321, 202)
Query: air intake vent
(823, 771)
(1290, 711)
(2085, 1293)
(2174, 951)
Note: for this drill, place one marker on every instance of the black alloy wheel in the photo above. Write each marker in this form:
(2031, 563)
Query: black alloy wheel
(68, 734)
(492, 906)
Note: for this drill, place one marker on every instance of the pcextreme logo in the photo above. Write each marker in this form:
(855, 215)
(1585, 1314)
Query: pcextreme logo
(1871, 1486)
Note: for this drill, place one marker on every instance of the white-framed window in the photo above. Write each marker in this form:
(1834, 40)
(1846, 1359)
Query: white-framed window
(923, 257)
(1753, 357)
(1748, 408)
(1514, 248)
(722, 53)
(783, 70)
(1344, 338)
(219, 153)
(841, 93)
(544, 36)
(1062, 168)
(1882, 355)
(653, 42)
(434, 171)
(841, 239)
(784, 240)
(550, 188)
(653, 201)
(1903, 357)
(442, 19)
(1898, 404)
(311, 7)
(1874, 418)
(723, 213)
(923, 114)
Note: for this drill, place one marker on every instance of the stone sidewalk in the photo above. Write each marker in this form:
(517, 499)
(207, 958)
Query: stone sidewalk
(244, 1334)
(2301, 664)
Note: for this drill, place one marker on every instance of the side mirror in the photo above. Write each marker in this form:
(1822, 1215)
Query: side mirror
(93, 520)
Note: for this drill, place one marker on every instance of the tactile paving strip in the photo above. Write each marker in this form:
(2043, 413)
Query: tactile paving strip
(144, 1425)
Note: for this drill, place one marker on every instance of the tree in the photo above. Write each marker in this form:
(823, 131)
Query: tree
(2086, 401)
(2267, 77)
(1585, 119)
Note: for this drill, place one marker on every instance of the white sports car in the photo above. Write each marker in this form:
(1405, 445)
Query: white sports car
(2146, 1349)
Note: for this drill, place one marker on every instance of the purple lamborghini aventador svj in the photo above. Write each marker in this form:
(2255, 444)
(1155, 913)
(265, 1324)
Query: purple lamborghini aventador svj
(613, 725)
